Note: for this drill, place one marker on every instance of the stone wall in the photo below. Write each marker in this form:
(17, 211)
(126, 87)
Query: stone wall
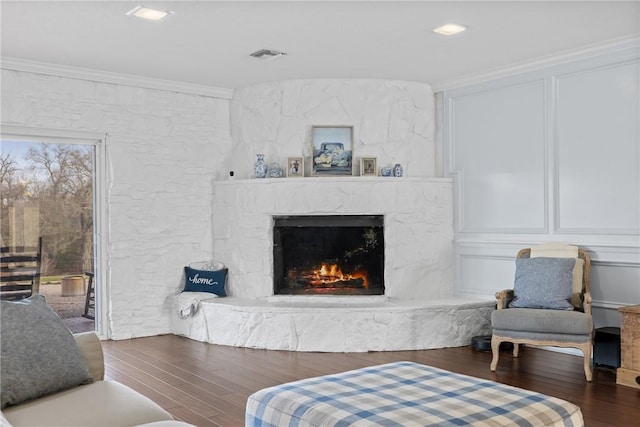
(164, 149)
(393, 121)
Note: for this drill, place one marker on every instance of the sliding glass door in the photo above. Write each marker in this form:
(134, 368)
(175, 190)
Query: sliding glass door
(48, 188)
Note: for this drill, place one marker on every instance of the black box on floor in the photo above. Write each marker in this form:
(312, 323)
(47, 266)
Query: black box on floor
(606, 347)
(483, 343)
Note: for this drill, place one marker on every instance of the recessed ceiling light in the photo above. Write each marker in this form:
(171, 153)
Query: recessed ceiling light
(148, 13)
(450, 29)
(266, 54)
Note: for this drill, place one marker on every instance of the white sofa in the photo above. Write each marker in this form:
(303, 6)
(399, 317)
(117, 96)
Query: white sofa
(49, 377)
(101, 403)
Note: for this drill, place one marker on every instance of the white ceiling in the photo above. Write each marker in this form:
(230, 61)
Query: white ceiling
(209, 42)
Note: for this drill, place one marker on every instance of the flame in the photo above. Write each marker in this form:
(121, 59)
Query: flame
(331, 270)
(332, 273)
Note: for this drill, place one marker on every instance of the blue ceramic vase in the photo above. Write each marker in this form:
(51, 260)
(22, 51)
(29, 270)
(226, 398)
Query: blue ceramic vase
(260, 167)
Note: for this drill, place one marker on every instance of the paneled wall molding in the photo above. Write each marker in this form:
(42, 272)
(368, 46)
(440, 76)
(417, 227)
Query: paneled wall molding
(609, 305)
(606, 123)
(549, 155)
(611, 47)
(609, 255)
(630, 260)
(484, 167)
(597, 66)
(595, 230)
(36, 67)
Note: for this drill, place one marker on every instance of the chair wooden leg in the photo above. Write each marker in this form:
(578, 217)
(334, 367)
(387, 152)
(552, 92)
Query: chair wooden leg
(495, 350)
(516, 349)
(586, 350)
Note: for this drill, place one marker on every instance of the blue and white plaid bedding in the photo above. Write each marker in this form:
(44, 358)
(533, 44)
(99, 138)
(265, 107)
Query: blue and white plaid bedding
(405, 394)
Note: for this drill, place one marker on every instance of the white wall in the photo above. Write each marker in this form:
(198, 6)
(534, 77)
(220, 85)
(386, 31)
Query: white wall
(164, 149)
(550, 155)
(393, 121)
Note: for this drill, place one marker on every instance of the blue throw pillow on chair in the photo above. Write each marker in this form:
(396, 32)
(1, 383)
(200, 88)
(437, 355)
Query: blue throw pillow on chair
(543, 283)
(205, 281)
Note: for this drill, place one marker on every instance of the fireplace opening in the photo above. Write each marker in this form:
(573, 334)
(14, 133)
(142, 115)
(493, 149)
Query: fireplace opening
(328, 255)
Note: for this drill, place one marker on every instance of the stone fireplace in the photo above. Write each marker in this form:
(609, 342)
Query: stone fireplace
(417, 308)
(328, 255)
(417, 233)
(394, 122)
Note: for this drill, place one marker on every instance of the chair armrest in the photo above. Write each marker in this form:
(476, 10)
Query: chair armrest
(587, 303)
(503, 298)
(91, 350)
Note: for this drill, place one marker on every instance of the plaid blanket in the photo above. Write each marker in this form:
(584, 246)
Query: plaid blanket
(405, 394)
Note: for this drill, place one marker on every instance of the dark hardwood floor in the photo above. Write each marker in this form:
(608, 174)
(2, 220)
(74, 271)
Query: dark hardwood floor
(208, 385)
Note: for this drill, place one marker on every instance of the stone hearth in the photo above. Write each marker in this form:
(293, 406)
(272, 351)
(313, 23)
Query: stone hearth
(334, 324)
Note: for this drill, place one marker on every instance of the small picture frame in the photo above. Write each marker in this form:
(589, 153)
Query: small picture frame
(295, 167)
(332, 148)
(368, 166)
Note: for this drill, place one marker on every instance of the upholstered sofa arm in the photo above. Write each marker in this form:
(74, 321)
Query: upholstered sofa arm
(503, 298)
(91, 349)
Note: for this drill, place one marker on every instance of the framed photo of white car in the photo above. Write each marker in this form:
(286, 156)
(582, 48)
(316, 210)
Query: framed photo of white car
(332, 148)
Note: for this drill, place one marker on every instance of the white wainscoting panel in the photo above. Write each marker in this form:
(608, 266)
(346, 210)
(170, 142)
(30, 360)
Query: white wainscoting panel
(551, 155)
(483, 276)
(598, 162)
(499, 152)
(615, 284)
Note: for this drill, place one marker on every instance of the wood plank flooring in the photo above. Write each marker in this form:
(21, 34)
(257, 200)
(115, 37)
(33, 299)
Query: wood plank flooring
(208, 385)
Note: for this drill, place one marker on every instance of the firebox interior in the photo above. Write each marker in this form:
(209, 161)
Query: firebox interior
(328, 255)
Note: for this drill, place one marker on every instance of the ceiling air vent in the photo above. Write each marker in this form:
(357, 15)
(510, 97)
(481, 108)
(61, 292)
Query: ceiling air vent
(267, 54)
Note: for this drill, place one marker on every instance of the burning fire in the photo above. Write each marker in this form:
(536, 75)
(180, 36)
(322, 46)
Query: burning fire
(332, 273)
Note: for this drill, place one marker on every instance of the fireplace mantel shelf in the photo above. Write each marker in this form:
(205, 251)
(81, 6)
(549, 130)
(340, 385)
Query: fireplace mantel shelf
(342, 179)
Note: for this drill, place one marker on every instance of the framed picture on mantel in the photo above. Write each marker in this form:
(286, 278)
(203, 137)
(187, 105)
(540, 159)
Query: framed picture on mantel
(295, 167)
(332, 148)
(368, 166)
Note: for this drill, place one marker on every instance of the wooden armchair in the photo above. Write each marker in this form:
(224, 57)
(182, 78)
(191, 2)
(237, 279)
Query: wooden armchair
(20, 271)
(569, 324)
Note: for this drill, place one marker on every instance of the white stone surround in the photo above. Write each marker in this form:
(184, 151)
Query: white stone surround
(392, 120)
(418, 310)
(418, 228)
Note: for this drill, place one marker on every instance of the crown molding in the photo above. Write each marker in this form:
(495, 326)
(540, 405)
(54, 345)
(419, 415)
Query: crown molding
(29, 66)
(44, 133)
(619, 45)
